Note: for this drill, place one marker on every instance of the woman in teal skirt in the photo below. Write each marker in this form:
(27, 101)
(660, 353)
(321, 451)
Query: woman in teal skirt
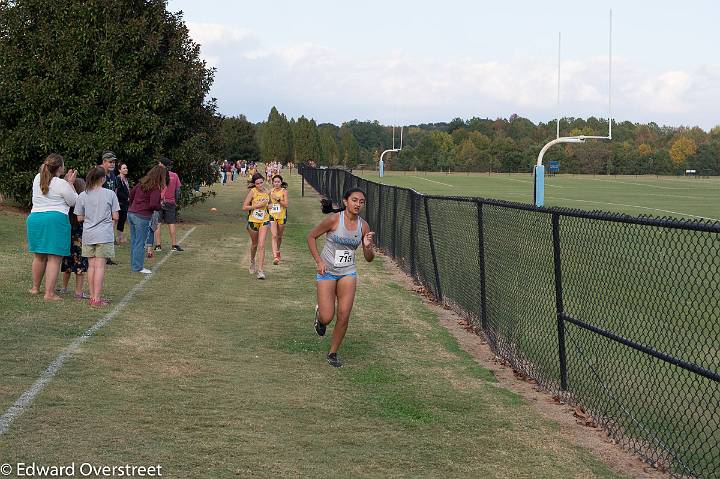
(48, 226)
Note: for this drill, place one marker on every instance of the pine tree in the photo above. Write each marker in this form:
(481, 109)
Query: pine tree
(307, 141)
(330, 153)
(276, 138)
(350, 147)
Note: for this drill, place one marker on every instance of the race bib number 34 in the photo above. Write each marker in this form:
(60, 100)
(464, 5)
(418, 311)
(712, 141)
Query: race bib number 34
(344, 257)
(258, 214)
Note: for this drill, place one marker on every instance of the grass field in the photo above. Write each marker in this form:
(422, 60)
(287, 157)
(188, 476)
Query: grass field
(211, 373)
(656, 286)
(694, 198)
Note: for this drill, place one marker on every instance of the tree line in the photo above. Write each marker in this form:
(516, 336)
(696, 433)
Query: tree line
(500, 145)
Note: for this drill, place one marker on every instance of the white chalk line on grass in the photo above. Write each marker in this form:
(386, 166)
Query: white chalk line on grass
(666, 195)
(633, 206)
(438, 182)
(530, 182)
(510, 179)
(639, 184)
(26, 398)
(621, 204)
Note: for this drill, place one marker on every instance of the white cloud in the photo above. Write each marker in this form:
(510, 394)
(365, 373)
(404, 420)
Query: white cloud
(207, 34)
(333, 85)
(663, 92)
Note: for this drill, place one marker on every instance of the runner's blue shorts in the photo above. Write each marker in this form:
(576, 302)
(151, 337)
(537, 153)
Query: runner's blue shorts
(332, 277)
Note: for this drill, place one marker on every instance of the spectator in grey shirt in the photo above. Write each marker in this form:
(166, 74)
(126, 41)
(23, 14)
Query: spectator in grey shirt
(97, 208)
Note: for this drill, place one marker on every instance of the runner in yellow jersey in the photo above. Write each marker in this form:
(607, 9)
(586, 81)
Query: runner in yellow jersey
(278, 214)
(256, 204)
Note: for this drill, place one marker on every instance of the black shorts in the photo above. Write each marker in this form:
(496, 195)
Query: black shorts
(168, 214)
(256, 226)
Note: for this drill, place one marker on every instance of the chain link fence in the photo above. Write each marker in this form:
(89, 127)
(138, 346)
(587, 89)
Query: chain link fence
(614, 314)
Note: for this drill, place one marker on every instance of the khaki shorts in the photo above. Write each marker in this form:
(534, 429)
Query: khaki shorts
(101, 250)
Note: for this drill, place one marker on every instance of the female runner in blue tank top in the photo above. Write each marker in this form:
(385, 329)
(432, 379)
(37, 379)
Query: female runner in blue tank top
(336, 273)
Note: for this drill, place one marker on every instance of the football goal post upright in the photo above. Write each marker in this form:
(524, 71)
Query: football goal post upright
(381, 165)
(539, 169)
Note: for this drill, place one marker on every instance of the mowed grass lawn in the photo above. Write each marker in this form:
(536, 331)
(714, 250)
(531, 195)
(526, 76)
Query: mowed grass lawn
(680, 197)
(212, 373)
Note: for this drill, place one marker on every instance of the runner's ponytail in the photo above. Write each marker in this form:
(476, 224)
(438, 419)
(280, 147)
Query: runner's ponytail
(327, 206)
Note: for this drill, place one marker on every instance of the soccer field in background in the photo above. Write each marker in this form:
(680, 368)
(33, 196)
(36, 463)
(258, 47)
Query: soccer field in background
(692, 198)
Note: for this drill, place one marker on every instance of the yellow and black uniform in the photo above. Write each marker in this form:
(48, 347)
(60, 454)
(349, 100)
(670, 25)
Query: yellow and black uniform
(259, 216)
(251, 171)
(278, 213)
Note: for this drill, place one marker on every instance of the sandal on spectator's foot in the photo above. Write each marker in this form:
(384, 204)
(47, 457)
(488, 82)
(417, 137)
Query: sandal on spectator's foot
(82, 295)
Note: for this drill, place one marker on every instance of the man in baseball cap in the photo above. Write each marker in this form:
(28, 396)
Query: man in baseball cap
(107, 161)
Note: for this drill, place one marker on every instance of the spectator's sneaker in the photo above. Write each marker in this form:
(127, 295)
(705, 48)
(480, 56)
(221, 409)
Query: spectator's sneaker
(146, 271)
(260, 274)
(319, 327)
(176, 247)
(333, 360)
(98, 303)
(158, 248)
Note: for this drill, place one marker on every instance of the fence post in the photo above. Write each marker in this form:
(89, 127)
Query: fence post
(394, 223)
(559, 301)
(438, 288)
(379, 218)
(413, 234)
(481, 263)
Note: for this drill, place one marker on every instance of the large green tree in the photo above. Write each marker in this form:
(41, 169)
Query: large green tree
(350, 149)
(329, 151)
(276, 138)
(81, 76)
(239, 139)
(306, 141)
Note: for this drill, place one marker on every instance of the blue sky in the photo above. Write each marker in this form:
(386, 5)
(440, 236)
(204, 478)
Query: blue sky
(414, 62)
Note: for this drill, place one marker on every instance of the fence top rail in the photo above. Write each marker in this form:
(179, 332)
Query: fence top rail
(660, 222)
(699, 225)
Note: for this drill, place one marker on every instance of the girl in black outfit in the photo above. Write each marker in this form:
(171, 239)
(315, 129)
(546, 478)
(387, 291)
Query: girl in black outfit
(123, 194)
